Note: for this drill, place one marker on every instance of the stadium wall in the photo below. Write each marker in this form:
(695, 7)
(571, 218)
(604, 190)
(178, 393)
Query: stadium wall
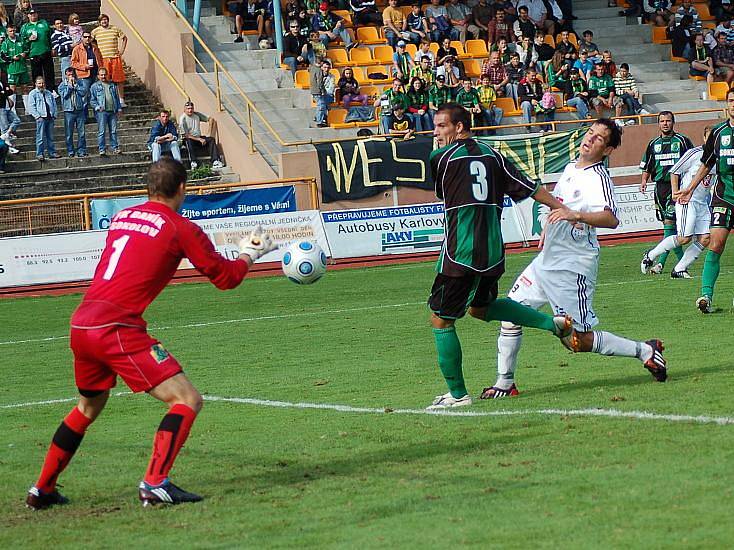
(167, 36)
(88, 10)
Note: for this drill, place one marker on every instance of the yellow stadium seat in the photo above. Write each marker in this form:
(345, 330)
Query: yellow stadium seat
(659, 36)
(361, 56)
(476, 48)
(369, 35)
(718, 90)
(549, 40)
(303, 80)
(383, 54)
(473, 67)
(335, 74)
(370, 91)
(336, 117)
(433, 46)
(571, 38)
(507, 104)
(411, 49)
(360, 75)
(338, 57)
(344, 14)
(405, 10)
(378, 69)
(459, 49)
(704, 14)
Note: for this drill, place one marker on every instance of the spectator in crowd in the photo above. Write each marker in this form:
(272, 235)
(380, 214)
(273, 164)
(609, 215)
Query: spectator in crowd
(523, 26)
(4, 19)
(566, 47)
(61, 45)
(20, 16)
(682, 37)
(9, 120)
(662, 13)
(577, 93)
(515, 73)
(439, 25)
(546, 107)
(105, 102)
(424, 50)
(499, 28)
(74, 29)
(331, 27)
(249, 15)
(723, 57)
(460, 16)
(530, 92)
(545, 51)
(626, 93)
(402, 63)
(189, 124)
(538, 13)
(322, 83)
(487, 97)
(686, 8)
(445, 50)
(418, 105)
(86, 60)
(108, 38)
(527, 52)
(495, 70)
(73, 104)
(701, 62)
(349, 89)
(556, 71)
(423, 71)
(164, 137)
(365, 12)
(451, 74)
(587, 43)
(398, 123)
(601, 88)
(503, 49)
(36, 35)
(394, 21)
(14, 53)
(508, 6)
(416, 24)
(438, 94)
(468, 98)
(294, 47)
(482, 15)
(723, 10)
(315, 50)
(726, 28)
(42, 107)
(584, 65)
(390, 97)
(610, 67)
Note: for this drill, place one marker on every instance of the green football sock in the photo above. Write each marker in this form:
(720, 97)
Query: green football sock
(505, 309)
(669, 230)
(449, 360)
(711, 269)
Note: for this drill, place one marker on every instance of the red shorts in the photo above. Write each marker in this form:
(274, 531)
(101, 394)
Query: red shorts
(115, 70)
(103, 354)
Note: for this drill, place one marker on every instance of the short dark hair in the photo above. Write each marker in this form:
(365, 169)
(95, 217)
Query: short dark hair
(70, 70)
(165, 111)
(624, 66)
(615, 134)
(522, 8)
(365, 132)
(165, 177)
(457, 114)
(587, 32)
(667, 113)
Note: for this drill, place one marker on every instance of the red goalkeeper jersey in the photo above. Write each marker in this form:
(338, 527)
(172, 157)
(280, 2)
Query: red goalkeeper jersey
(145, 244)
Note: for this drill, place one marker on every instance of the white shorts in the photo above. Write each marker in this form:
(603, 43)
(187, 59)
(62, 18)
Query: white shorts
(692, 219)
(567, 293)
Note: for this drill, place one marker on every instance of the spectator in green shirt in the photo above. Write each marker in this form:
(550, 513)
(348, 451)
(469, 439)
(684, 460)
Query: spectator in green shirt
(438, 94)
(36, 34)
(418, 105)
(14, 52)
(601, 88)
(396, 94)
(468, 98)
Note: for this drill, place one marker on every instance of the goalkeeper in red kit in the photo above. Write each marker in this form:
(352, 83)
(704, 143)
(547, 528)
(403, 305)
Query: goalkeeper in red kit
(144, 247)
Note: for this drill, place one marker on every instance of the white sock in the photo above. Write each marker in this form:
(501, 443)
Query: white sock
(508, 346)
(690, 256)
(666, 245)
(606, 343)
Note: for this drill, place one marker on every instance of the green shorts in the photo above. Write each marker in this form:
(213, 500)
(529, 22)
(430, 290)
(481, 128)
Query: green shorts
(722, 214)
(452, 296)
(19, 79)
(664, 204)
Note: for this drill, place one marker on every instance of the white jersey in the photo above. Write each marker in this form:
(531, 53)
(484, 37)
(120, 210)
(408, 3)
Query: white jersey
(574, 246)
(686, 169)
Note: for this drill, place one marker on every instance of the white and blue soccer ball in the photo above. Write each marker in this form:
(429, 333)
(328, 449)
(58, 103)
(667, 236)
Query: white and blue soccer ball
(304, 262)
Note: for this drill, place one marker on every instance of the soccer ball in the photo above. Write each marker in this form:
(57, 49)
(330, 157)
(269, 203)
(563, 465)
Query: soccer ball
(264, 44)
(304, 262)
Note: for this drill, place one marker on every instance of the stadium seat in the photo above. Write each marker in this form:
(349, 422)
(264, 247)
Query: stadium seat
(659, 36)
(360, 75)
(383, 54)
(571, 38)
(507, 104)
(476, 48)
(696, 77)
(459, 49)
(433, 46)
(336, 117)
(704, 14)
(361, 56)
(371, 92)
(374, 69)
(473, 67)
(303, 80)
(549, 40)
(405, 10)
(338, 57)
(344, 14)
(717, 90)
(369, 35)
(678, 59)
(411, 49)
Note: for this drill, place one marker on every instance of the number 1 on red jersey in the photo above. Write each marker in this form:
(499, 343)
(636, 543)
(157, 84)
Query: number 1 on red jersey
(118, 246)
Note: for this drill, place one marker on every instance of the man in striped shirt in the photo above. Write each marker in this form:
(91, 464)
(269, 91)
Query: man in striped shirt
(61, 46)
(108, 39)
(626, 93)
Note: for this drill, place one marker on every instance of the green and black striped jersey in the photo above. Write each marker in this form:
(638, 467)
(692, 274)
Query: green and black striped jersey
(473, 179)
(661, 154)
(718, 151)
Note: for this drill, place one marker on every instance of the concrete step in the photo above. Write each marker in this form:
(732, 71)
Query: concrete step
(28, 163)
(255, 59)
(604, 12)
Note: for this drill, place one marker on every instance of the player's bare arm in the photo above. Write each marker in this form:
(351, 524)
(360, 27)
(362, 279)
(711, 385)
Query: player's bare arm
(544, 197)
(685, 196)
(643, 182)
(605, 218)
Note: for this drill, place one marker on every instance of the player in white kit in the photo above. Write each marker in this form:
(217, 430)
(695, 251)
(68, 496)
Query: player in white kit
(564, 273)
(692, 218)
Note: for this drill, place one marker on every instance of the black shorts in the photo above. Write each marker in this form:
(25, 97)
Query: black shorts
(452, 296)
(722, 214)
(664, 203)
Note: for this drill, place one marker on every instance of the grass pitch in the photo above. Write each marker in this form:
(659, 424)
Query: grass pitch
(320, 478)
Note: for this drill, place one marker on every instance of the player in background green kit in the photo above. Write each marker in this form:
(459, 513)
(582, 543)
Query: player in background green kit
(661, 154)
(472, 180)
(717, 151)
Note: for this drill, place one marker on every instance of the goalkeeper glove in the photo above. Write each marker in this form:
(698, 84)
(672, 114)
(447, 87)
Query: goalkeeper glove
(257, 244)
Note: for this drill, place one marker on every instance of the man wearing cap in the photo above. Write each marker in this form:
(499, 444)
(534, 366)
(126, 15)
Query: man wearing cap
(331, 27)
(402, 63)
(37, 34)
(108, 39)
(387, 100)
(438, 94)
(189, 125)
(400, 124)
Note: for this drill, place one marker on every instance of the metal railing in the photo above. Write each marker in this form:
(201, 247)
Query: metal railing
(56, 214)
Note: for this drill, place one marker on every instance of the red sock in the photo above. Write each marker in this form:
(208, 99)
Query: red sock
(170, 437)
(65, 442)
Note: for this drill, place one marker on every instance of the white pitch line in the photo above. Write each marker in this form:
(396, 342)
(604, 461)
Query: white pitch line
(605, 413)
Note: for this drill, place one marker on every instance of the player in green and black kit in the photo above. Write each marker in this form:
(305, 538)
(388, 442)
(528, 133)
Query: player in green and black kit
(718, 151)
(660, 156)
(472, 180)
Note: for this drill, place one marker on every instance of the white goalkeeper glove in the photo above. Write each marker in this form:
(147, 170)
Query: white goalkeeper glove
(257, 244)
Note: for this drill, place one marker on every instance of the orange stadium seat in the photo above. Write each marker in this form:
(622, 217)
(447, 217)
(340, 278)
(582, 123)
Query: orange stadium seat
(476, 48)
(571, 38)
(659, 36)
(704, 14)
(338, 57)
(344, 14)
(473, 68)
(383, 54)
(549, 40)
(336, 117)
(303, 79)
(370, 91)
(411, 49)
(459, 49)
(360, 75)
(361, 56)
(378, 69)
(507, 104)
(717, 90)
(434, 48)
(369, 35)
(405, 10)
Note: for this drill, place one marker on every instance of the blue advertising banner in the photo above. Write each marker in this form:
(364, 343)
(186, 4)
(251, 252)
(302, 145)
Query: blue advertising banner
(249, 202)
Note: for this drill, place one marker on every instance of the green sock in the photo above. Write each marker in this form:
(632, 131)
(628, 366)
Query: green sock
(711, 269)
(505, 309)
(669, 230)
(449, 360)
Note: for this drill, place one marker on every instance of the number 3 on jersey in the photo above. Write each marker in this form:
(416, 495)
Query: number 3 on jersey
(480, 188)
(118, 245)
